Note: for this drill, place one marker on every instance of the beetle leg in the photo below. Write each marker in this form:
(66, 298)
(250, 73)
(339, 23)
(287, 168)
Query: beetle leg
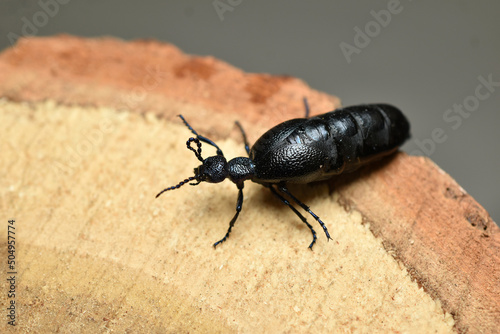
(239, 205)
(284, 189)
(201, 138)
(306, 107)
(286, 202)
(247, 148)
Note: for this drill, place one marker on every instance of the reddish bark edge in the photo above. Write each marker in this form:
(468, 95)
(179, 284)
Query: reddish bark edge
(149, 76)
(446, 240)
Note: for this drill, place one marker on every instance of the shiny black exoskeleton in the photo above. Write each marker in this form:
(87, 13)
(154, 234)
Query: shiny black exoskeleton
(304, 150)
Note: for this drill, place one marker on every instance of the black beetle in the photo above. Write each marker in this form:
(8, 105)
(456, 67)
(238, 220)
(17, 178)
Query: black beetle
(304, 150)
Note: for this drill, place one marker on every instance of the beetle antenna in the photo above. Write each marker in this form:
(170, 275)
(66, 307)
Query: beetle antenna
(203, 139)
(198, 151)
(179, 185)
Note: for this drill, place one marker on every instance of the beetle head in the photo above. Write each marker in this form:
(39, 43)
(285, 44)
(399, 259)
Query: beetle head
(213, 169)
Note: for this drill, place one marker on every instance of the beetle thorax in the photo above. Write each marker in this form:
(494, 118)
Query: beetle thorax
(240, 169)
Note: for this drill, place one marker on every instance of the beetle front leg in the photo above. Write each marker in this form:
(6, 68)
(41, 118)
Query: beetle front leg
(239, 205)
(245, 141)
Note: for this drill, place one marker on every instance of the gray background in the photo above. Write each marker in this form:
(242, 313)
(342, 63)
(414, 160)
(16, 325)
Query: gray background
(425, 59)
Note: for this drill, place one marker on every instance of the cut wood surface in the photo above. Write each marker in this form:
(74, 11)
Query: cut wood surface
(90, 138)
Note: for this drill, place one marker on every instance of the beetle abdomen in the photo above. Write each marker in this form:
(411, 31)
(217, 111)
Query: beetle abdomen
(306, 150)
(365, 132)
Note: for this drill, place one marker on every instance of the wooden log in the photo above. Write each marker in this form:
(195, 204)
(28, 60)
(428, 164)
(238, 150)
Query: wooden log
(91, 137)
